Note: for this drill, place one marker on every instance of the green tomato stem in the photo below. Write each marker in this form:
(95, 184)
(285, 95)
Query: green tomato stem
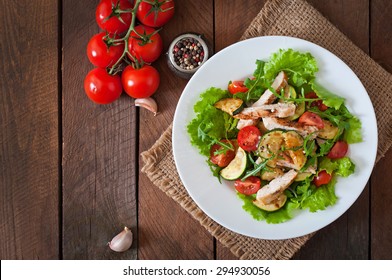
(126, 37)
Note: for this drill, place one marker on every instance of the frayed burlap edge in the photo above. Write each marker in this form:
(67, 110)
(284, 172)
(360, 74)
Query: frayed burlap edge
(159, 157)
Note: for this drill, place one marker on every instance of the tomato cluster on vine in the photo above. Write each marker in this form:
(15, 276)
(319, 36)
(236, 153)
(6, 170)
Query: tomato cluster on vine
(123, 52)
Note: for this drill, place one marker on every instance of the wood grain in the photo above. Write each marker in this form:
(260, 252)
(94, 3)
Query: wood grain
(347, 237)
(381, 184)
(166, 230)
(29, 186)
(99, 152)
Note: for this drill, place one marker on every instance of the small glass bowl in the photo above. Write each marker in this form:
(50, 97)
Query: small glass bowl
(178, 69)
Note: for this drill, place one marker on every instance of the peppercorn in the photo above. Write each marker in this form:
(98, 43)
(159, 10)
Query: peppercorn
(187, 53)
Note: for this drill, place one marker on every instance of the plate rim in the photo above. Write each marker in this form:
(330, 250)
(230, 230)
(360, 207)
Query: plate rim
(372, 115)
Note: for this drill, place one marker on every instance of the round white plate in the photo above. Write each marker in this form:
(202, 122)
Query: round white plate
(219, 201)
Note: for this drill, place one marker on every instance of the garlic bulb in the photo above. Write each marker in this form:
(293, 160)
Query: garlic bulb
(122, 241)
(147, 103)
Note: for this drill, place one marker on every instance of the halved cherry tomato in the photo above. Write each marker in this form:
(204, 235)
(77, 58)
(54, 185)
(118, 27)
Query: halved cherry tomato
(248, 138)
(222, 159)
(338, 150)
(309, 118)
(322, 178)
(318, 103)
(249, 186)
(236, 87)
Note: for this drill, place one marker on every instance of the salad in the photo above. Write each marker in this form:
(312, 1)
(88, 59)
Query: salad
(279, 136)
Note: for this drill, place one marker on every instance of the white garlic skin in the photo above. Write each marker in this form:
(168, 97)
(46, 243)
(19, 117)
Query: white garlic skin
(147, 103)
(122, 241)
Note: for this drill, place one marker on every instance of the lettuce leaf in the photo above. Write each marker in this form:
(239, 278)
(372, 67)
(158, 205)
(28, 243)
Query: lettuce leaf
(321, 197)
(300, 67)
(210, 123)
(342, 166)
(283, 214)
(330, 99)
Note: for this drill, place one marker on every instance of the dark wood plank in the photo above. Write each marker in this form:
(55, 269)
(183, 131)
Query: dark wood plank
(231, 22)
(381, 185)
(29, 186)
(166, 230)
(99, 151)
(348, 237)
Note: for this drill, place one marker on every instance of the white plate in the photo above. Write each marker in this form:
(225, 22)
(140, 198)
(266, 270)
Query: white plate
(220, 202)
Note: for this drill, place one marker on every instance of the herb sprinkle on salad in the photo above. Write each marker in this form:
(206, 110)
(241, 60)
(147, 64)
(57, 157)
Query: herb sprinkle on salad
(279, 136)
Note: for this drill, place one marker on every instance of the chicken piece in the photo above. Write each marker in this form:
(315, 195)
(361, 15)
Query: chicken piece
(280, 110)
(267, 98)
(303, 130)
(275, 188)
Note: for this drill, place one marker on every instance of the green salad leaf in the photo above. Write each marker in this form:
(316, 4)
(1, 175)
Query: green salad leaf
(342, 166)
(300, 67)
(210, 124)
(330, 99)
(283, 214)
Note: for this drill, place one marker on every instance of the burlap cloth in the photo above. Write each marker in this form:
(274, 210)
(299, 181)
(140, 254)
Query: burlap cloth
(294, 18)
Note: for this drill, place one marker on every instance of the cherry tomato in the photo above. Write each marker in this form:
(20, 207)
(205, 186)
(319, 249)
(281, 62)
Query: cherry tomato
(322, 178)
(102, 55)
(249, 186)
(101, 87)
(148, 47)
(107, 15)
(140, 83)
(318, 103)
(156, 14)
(338, 150)
(223, 159)
(236, 87)
(309, 118)
(248, 138)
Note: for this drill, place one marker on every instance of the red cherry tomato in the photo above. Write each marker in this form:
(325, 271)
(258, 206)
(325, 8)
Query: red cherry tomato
(322, 178)
(101, 87)
(107, 15)
(309, 118)
(236, 87)
(248, 138)
(223, 159)
(156, 14)
(318, 103)
(140, 83)
(102, 55)
(148, 47)
(249, 186)
(338, 150)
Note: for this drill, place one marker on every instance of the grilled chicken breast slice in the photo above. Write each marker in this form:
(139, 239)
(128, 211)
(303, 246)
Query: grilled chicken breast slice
(268, 97)
(279, 110)
(275, 188)
(274, 123)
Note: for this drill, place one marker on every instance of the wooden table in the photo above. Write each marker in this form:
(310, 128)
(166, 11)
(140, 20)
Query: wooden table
(70, 169)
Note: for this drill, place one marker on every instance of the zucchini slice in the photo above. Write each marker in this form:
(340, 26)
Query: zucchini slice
(329, 131)
(300, 107)
(236, 167)
(294, 143)
(272, 173)
(232, 106)
(274, 205)
(270, 144)
(302, 176)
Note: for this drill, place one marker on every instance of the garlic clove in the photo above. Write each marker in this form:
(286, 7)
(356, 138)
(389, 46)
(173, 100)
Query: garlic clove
(122, 241)
(147, 103)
